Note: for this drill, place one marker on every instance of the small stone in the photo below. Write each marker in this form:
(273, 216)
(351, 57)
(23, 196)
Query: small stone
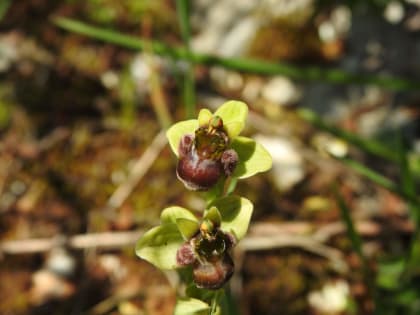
(330, 145)
(234, 80)
(110, 79)
(252, 89)
(327, 32)
(331, 299)
(47, 285)
(221, 15)
(238, 38)
(61, 262)
(288, 168)
(112, 264)
(245, 6)
(394, 12)
(282, 91)
(206, 42)
(17, 187)
(140, 69)
(341, 19)
(296, 11)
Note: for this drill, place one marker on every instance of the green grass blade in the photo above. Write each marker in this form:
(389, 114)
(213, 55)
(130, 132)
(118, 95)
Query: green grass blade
(4, 7)
(335, 76)
(189, 93)
(408, 185)
(379, 179)
(356, 242)
(407, 181)
(353, 235)
(369, 146)
(182, 8)
(188, 82)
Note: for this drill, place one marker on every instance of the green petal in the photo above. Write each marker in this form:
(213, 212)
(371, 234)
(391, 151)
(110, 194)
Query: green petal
(188, 228)
(253, 157)
(236, 214)
(178, 130)
(160, 245)
(171, 214)
(234, 114)
(204, 116)
(190, 306)
(213, 215)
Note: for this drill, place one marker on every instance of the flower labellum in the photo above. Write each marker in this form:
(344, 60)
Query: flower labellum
(207, 253)
(205, 156)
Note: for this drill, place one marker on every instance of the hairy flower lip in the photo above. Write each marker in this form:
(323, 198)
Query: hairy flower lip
(204, 158)
(208, 252)
(213, 275)
(197, 173)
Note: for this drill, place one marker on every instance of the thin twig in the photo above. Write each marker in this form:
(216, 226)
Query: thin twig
(263, 236)
(137, 172)
(258, 243)
(106, 240)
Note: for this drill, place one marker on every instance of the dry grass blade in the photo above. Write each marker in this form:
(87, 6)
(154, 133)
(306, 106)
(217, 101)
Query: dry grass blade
(137, 172)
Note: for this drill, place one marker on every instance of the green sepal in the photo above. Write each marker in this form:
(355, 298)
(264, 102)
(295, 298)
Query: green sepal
(236, 214)
(234, 114)
(171, 214)
(178, 130)
(160, 245)
(204, 117)
(188, 228)
(253, 157)
(191, 306)
(213, 215)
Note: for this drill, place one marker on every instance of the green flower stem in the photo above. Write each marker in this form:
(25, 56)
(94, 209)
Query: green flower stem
(335, 76)
(230, 185)
(215, 302)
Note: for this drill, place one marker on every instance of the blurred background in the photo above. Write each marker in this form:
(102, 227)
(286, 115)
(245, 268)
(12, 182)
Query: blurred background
(87, 89)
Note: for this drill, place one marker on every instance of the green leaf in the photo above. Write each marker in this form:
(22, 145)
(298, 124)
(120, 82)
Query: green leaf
(188, 228)
(253, 157)
(236, 214)
(204, 116)
(160, 245)
(213, 215)
(190, 306)
(178, 130)
(171, 214)
(234, 114)
(389, 274)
